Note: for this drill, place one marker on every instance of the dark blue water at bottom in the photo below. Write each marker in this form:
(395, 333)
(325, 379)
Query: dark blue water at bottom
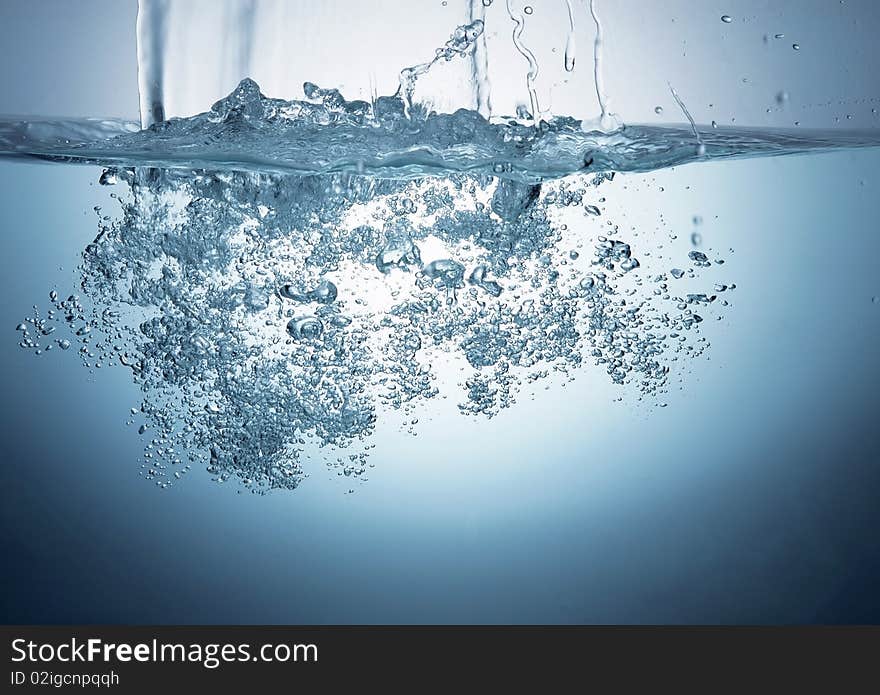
(750, 498)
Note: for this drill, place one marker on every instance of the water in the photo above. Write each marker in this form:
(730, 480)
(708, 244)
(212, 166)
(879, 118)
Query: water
(286, 273)
(264, 314)
(291, 281)
(248, 132)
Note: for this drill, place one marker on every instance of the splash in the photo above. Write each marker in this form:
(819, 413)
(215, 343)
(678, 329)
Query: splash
(325, 133)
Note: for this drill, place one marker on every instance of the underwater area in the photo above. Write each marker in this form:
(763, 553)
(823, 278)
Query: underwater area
(514, 311)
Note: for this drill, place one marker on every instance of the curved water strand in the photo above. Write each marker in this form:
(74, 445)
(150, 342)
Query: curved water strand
(701, 148)
(480, 63)
(462, 39)
(519, 21)
(570, 45)
(607, 121)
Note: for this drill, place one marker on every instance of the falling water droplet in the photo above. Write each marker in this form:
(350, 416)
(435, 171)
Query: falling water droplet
(570, 50)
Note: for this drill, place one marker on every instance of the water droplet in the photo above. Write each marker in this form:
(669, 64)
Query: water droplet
(726, 18)
(570, 50)
(305, 328)
(324, 293)
(449, 272)
(796, 46)
(291, 292)
(658, 110)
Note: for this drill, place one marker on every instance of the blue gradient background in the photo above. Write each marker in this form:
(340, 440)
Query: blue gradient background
(753, 497)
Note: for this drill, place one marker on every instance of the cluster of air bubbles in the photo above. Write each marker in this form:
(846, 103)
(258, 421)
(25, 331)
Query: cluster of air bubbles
(268, 318)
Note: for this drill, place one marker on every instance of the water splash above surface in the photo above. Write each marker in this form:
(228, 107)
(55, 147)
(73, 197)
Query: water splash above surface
(247, 131)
